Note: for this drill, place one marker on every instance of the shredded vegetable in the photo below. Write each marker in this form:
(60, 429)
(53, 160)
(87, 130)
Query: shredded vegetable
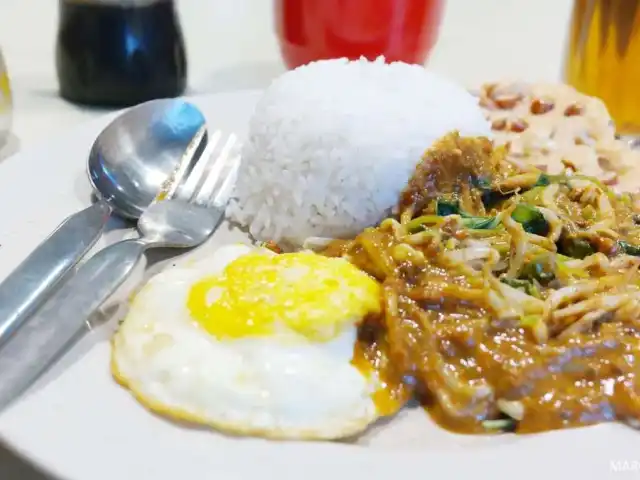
(503, 289)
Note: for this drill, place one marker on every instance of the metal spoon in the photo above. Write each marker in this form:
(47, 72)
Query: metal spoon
(128, 166)
(183, 221)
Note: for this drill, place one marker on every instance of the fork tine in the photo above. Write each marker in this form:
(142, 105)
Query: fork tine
(229, 181)
(215, 175)
(187, 162)
(193, 178)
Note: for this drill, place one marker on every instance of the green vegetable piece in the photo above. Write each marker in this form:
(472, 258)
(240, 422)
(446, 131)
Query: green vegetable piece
(531, 220)
(491, 199)
(445, 208)
(533, 290)
(500, 425)
(516, 283)
(534, 195)
(543, 180)
(530, 320)
(483, 183)
(525, 286)
(420, 223)
(629, 249)
(576, 248)
(537, 271)
(480, 223)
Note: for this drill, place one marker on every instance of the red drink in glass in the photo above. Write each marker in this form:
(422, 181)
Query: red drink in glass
(401, 30)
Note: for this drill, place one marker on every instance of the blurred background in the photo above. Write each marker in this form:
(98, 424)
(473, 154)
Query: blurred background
(233, 45)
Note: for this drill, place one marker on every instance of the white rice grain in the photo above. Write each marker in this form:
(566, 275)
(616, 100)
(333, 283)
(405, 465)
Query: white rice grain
(332, 144)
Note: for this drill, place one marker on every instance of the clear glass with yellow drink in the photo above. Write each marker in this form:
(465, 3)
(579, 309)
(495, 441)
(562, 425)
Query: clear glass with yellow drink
(603, 57)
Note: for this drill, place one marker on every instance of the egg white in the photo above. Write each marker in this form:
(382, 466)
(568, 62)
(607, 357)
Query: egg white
(279, 386)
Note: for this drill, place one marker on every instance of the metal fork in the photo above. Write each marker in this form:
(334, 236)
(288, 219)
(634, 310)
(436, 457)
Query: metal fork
(187, 219)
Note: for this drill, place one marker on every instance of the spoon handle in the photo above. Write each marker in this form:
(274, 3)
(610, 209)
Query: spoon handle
(62, 319)
(29, 285)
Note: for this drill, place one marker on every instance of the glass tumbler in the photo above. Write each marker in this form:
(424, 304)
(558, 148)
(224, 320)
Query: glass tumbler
(401, 30)
(603, 57)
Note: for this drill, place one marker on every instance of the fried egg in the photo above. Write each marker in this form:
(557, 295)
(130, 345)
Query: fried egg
(251, 342)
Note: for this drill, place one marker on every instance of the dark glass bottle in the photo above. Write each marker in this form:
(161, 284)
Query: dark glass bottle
(119, 52)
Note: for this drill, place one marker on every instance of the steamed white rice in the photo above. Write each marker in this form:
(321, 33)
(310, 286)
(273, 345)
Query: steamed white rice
(332, 144)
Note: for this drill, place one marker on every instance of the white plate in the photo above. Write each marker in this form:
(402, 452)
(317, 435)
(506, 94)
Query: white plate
(79, 425)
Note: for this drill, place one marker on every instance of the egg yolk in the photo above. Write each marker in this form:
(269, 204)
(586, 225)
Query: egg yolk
(258, 293)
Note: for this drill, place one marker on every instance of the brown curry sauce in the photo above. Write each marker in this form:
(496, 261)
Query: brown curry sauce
(462, 362)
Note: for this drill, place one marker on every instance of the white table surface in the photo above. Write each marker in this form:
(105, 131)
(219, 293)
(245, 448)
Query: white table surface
(231, 45)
